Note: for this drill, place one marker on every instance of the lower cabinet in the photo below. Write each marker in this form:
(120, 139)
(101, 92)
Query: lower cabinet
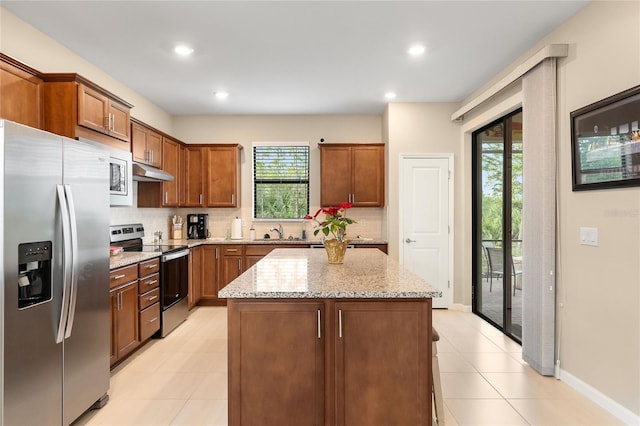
(330, 361)
(230, 265)
(124, 320)
(195, 275)
(276, 363)
(210, 275)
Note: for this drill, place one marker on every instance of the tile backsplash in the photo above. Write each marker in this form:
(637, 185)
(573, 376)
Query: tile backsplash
(370, 221)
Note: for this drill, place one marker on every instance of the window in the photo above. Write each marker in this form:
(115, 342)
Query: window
(280, 180)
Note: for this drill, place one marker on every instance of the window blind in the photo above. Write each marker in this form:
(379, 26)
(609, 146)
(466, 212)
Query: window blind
(281, 181)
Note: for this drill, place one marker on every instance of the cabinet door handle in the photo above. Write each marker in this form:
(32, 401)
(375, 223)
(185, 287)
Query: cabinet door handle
(233, 197)
(166, 197)
(239, 265)
(200, 199)
(319, 328)
(216, 253)
(340, 323)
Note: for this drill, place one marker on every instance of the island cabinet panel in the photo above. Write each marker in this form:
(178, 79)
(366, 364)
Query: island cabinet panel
(329, 361)
(276, 363)
(382, 363)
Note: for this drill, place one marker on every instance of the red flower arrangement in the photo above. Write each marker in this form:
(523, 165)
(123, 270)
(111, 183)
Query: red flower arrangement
(335, 221)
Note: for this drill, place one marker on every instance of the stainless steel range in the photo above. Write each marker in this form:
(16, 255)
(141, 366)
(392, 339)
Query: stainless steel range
(174, 272)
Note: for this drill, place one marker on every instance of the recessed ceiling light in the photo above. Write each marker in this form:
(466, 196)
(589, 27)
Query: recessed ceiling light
(221, 95)
(183, 50)
(417, 50)
(390, 95)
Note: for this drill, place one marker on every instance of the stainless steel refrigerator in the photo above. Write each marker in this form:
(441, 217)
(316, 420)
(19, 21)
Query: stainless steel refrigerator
(54, 306)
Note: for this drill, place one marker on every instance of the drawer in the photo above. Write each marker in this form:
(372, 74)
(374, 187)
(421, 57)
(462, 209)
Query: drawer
(148, 283)
(149, 298)
(123, 275)
(232, 250)
(149, 321)
(264, 249)
(149, 267)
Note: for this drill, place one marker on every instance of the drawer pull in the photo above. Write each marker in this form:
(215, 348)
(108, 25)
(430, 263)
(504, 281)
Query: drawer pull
(232, 249)
(119, 277)
(152, 298)
(153, 319)
(155, 265)
(151, 282)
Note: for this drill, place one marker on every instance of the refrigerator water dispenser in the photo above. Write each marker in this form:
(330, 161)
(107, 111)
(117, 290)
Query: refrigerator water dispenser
(34, 273)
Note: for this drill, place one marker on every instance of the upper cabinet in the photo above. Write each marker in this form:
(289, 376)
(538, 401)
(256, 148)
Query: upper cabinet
(146, 145)
(75, 107)
(212, 175)
(352, 173)
(167, 193)
(21, 93)
(223, 176)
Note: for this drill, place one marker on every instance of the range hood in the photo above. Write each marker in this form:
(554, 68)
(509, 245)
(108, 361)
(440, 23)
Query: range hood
(147, 173)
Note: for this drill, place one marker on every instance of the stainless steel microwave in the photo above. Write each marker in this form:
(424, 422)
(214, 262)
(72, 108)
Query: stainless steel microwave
(121, 175)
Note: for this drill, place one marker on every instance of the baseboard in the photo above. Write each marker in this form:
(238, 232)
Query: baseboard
(624, 414)
(460, 307)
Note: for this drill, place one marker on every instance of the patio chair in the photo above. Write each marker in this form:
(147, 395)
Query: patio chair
(495, 257)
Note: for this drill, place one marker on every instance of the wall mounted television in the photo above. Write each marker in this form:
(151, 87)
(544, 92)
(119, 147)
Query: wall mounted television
(605, 142)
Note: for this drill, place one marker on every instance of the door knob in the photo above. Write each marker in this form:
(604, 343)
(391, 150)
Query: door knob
(409, 240)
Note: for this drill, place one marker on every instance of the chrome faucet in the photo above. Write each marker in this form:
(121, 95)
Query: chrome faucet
(279, 231)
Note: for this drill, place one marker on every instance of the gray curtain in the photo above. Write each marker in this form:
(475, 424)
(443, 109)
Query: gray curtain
(539, 216)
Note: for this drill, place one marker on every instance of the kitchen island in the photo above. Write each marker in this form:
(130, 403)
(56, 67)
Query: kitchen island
(312, 343)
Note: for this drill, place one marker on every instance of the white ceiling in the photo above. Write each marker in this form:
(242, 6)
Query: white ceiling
(296, 57)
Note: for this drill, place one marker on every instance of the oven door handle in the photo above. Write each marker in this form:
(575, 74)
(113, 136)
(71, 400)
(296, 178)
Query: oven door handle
(171, 256)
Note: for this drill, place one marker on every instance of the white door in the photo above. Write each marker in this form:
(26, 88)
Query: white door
(425, 195)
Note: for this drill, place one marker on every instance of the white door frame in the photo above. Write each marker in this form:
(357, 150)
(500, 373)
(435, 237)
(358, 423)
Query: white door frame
(450, 158)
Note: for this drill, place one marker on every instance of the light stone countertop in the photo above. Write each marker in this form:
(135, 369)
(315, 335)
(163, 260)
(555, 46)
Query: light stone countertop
(130, 257)
(306, 273)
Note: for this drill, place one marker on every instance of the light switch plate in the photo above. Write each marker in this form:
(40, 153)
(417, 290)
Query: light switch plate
(588, 236)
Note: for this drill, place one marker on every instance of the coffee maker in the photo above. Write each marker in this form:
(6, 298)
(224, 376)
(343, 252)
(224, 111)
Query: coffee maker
(197, 226)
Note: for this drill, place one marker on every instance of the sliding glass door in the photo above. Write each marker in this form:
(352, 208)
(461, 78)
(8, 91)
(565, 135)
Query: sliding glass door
(497, 211)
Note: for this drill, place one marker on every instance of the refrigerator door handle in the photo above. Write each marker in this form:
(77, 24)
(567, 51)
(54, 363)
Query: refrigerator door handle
(74, 262)
(66, 268)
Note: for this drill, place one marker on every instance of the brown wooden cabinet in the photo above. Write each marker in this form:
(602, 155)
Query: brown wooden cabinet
(195, 275)
(194, 176)
(75, 107)
(124, 316)
(382, 362)
(230, 264)
(211, 257)
(223, 176)
(163, 194)
(146, 145)
(182, 178)
(329, 361)
(149, 298)
(276, 363)
(21, 93)
(352, 173)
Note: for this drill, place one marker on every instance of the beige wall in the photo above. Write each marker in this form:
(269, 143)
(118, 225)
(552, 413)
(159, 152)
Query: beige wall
(30, 46)
(598, 288)
(311, 128)
(422, 128)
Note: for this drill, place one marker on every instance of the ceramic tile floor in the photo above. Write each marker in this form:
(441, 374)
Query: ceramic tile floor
(484, 381)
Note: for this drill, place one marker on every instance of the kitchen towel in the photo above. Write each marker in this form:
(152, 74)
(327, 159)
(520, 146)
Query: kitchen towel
(236, 229)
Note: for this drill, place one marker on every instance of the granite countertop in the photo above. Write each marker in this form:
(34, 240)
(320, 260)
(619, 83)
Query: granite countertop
(305, 273)
(129, 257)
